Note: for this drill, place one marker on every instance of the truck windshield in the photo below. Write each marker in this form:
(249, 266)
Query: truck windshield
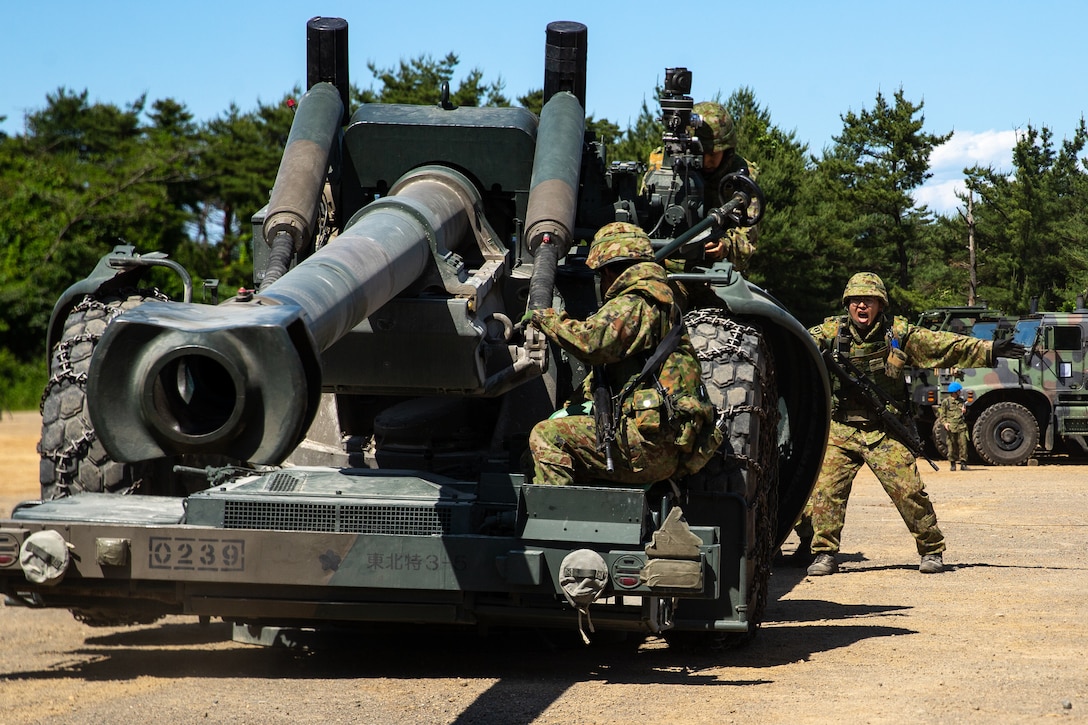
(1025, 332)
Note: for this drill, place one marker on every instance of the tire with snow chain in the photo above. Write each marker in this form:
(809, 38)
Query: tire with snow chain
(72, 458)
(738, 372)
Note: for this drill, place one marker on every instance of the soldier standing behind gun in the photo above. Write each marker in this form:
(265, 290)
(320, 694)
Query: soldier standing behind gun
(718, 138)
(880, 348)
(658, 422)
(950, 414)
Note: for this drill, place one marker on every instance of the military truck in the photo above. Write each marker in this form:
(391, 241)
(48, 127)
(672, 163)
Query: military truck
(925, 385)
(1020, 406)
(346, 443)
(974, 320)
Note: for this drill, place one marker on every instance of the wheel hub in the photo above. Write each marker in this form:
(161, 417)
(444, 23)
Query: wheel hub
(1010, 436)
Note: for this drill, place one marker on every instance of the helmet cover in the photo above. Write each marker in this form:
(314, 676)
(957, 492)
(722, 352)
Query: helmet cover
(865, 284)
(619, 242)
(717, 132)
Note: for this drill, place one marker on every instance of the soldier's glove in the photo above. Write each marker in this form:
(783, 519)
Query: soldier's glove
(526, 318)
(1008, 348)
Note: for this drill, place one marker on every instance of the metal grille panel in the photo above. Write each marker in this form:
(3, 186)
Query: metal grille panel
(1076, 425)
(282, 482)
(347, 518)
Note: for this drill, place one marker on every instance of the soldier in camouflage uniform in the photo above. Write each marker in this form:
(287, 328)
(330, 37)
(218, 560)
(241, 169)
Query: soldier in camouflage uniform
(659, 420)
(950, 414)
(880, 347)
(718, 137)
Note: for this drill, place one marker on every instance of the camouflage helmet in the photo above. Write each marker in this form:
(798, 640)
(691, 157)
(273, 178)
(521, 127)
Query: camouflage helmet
(619, 242)
(865, 284)
(717, 132)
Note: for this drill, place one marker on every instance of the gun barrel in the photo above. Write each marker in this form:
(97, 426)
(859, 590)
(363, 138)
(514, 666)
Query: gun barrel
(383, 250)
(292, 208)
(553, 191)
(243, 379)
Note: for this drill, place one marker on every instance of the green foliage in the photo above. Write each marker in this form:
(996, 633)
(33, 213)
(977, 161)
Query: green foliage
(791, 258)
(83, 177)
(940, 278)
(636, 143)
(1032, 225)
(420, 80)
(22, 382)
(238, 164)
(880, 157)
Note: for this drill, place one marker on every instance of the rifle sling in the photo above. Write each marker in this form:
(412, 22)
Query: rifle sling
(656, 360)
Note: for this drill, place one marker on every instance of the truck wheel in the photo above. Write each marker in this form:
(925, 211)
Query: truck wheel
(1005, 434)
(72, 457)
(738, 372)
(940, 440)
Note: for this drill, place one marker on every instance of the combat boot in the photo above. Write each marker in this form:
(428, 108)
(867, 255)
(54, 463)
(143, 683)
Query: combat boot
(825, 564)
(963, 466)
(953, 468)
(931, 564)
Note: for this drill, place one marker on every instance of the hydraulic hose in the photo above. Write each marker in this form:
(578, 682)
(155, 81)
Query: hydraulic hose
(542, 283)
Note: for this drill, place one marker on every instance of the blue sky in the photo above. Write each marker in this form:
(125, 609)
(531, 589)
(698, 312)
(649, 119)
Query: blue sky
(984, 69)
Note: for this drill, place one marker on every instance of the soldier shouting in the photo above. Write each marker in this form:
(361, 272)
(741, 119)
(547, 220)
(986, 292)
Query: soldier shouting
(880, 347)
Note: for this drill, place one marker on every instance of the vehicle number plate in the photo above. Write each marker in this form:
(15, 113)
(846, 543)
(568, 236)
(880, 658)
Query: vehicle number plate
(178, 553)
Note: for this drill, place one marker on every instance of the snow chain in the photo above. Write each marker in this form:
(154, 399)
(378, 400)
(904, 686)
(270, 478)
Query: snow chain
(733, 349)
(65, 458)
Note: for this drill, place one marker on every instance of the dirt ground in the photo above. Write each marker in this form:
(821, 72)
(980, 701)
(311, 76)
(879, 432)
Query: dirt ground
(998, 639)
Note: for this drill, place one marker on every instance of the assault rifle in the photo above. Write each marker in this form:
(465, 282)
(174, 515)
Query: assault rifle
(878, 401)
(604, 420)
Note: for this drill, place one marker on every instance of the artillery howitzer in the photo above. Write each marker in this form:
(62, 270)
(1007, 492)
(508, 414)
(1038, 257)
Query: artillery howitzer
(346, 443)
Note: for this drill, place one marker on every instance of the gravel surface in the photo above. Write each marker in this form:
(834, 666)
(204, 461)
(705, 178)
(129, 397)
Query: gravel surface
(998, 638)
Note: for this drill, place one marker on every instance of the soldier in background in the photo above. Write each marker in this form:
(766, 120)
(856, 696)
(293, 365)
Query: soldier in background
(718, 136)
(950, 414)
(660, 420)
(880, 347)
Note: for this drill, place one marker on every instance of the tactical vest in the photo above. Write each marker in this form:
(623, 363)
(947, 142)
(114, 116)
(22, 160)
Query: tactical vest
(673, 395)
(671, 378)
(620, 373)
(871, 358)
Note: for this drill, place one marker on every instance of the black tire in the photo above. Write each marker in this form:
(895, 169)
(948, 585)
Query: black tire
(72, 458)
(1005, 434)
(940, 440)
(738, 372)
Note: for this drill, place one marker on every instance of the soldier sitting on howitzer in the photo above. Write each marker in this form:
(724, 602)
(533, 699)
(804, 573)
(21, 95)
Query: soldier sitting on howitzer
(651, 417)
(868, 341)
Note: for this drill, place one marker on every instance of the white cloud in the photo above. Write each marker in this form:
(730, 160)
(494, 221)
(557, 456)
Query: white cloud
(947, 162)
(940, 196)
(988, 148)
